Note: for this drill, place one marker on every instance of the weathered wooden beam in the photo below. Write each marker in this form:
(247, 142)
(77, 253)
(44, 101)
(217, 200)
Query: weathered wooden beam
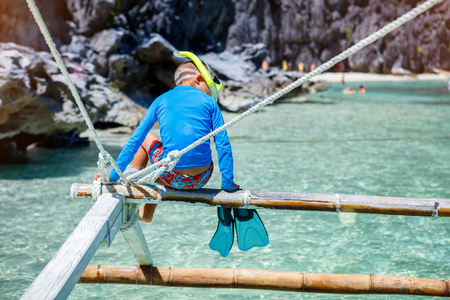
(278, 200)
(138, 245)
(267, 280)
(63, 271)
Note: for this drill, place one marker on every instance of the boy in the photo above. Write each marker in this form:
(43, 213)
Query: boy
(185, 114)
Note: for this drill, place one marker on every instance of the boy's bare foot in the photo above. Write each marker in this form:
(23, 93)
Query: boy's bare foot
(146, 212)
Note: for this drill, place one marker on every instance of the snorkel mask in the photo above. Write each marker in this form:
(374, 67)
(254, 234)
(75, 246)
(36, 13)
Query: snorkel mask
(211, 80)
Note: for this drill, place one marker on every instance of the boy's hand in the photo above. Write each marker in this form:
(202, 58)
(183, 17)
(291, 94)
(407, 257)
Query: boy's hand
(98, 176)
(235, 188)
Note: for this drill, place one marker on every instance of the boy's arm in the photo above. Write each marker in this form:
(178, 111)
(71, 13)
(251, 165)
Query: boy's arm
(224, 153)
(135, 141)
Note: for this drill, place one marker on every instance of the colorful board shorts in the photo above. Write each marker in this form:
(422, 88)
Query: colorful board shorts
(174, 180)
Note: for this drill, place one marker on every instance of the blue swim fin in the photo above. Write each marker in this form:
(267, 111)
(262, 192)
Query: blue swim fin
(223, 239)
(250, 229)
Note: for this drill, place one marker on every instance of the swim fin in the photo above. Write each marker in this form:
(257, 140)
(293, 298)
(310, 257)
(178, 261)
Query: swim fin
(223, 239)
(250, 229)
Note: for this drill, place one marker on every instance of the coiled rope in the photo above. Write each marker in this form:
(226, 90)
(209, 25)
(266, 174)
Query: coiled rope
(132, 216)
(175, 156)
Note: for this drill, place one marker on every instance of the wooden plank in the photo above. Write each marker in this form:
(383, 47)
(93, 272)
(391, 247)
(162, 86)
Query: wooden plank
(136, 240)
(60, 275)
(267, 280)
(279, 200)
(116, 224)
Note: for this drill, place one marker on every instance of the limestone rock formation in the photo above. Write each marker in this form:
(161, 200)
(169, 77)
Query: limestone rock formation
(35, 100)
(296, 31)
(245, 84)
(90, 16)
(17, 24)
(315, 31)
(196, 25)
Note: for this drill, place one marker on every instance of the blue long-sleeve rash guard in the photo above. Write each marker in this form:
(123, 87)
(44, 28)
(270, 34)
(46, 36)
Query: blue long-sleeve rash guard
(185, 114)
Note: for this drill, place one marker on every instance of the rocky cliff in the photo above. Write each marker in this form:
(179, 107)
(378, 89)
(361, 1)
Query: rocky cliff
(35, 101)
(297, 31)
(300, 31)
(119, 53)
(315, 31)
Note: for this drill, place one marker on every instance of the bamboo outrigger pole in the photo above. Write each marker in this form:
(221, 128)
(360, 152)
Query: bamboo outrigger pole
(266, 280)
(277, 200)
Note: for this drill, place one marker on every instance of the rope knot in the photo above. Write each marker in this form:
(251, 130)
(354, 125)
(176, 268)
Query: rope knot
(107, 156)
(105, 165)
(175, 154)
(173, 157)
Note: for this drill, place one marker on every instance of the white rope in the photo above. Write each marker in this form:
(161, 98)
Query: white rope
(96, 189)
(152, 172)
(247, 195)
(151, 178)
(338, 202)
(43, 28)
(355, 48)
(132, 216)
(104, 164)
(173, 157)
(435, 209)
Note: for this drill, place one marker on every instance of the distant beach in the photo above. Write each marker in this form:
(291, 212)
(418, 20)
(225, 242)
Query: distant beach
(373, 77)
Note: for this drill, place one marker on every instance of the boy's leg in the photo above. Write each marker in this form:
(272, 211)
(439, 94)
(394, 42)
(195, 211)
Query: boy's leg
(139, 162)
(140, 159)
(146, 212)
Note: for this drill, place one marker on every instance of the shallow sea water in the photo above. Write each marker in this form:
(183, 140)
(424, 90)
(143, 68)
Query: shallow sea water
(392, 141)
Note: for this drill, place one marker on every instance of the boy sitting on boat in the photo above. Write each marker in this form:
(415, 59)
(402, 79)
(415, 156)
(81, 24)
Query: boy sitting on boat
(185, 114)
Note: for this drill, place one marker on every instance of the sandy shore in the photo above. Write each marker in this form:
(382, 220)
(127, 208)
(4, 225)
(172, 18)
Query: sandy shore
(371, 77)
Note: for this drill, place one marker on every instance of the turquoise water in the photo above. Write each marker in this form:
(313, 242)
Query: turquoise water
(392, 141)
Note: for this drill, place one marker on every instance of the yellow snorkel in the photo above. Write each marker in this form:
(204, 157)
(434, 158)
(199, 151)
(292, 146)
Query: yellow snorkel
(213, 82)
